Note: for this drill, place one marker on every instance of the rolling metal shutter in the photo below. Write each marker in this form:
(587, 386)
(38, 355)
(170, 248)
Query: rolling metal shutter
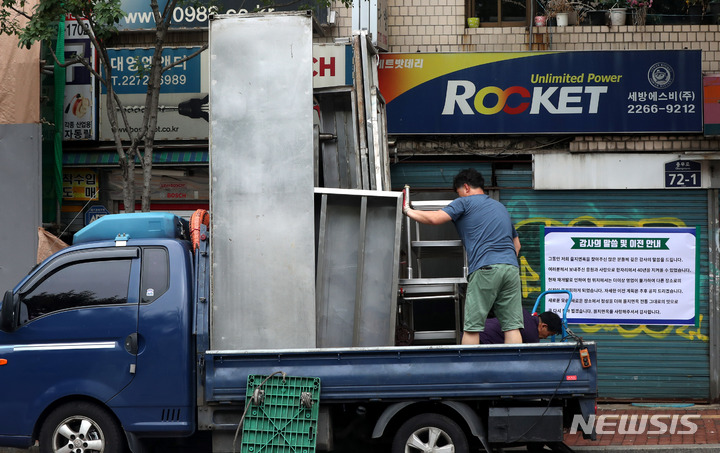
(635, 362)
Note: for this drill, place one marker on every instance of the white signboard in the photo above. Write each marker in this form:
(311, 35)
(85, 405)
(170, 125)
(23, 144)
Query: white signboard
(332, 65)
(623, 275)
(183, 102)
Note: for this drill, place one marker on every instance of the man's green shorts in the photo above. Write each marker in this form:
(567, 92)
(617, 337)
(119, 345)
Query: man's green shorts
(494, 287)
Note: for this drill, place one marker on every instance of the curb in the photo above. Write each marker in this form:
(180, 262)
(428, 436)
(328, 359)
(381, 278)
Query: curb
(675, 448)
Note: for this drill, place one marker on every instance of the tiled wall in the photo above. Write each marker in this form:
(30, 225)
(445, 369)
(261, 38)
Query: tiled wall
(439, 26)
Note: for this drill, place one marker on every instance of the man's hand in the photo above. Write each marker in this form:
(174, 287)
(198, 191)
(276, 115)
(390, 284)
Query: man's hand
(406, 200)
(427, 217)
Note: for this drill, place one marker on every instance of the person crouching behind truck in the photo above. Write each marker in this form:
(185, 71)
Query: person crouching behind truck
(537, 327)
(492, 246)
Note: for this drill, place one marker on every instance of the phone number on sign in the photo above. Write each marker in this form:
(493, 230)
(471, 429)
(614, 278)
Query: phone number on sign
(132, 80)
(654, 108)
(73, 30)
(191, 14)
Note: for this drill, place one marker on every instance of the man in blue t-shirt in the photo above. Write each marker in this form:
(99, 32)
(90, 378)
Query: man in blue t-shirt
(492, 246)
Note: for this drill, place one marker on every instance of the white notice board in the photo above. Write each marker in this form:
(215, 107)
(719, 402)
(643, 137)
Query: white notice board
(623, 275)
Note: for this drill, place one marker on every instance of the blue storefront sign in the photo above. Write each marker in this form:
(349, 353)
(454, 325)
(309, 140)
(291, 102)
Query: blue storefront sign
(543, 92)
(130, 78)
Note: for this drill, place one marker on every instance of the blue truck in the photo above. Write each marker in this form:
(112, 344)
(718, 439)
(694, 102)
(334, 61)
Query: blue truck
(104, 348)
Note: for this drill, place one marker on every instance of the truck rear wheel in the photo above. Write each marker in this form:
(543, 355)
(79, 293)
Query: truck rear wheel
(430, 433)
(81, 428)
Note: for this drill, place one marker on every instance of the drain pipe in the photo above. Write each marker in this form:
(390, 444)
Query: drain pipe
(532, 24)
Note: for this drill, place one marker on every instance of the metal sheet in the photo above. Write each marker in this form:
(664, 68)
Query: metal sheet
(358, 236)
(20, 169)
(340, 157)
(372, 15)
(261, 182)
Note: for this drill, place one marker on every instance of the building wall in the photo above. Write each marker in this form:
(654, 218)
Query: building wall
(428, 26)
(20, 158)
(439, 26)
(20, 87)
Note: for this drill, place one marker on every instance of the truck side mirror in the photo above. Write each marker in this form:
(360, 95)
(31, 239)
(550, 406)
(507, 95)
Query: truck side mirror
(7, 313)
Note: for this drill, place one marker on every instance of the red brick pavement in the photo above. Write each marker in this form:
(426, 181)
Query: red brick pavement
(617, 422)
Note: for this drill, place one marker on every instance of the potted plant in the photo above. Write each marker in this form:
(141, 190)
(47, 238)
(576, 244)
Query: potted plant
(713, 11)
(597, 13)
(617, 13)
(695, 9)
(560, 10)
(640, 9)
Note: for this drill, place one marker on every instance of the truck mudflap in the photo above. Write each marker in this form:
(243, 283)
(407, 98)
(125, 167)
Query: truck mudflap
(588, 408)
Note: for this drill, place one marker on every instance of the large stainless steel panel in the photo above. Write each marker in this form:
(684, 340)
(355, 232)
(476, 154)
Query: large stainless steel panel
(358, 234)
(261, 161)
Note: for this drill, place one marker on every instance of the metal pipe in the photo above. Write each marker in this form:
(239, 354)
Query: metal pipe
(713, 299)
(406, 199)
(532, 23)
(446, 296)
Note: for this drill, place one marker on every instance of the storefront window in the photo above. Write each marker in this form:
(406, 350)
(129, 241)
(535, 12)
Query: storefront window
(513, 13)
(499, 12)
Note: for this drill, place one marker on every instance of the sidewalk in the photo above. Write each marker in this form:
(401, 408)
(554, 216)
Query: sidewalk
(652, 427)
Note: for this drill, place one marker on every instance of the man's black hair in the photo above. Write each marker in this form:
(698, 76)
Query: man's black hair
(552, 320)
(469, 176)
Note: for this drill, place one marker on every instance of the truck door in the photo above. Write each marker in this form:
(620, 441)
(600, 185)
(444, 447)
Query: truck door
(162, 394)
(76, 323)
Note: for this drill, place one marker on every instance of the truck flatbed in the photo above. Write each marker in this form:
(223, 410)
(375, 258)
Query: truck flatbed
(417, 372)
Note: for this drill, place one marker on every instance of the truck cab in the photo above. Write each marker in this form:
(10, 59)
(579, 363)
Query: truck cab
(100, 332)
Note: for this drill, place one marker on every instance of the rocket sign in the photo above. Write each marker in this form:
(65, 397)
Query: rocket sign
(543, 92)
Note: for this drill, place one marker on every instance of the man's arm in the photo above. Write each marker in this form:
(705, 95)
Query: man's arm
(428, 217)
(516, 242)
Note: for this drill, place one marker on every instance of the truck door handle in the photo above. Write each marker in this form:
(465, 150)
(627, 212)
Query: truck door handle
(131, 343)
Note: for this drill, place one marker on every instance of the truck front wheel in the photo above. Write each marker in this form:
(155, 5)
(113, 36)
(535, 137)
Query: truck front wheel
(81, 428)
(430, 433)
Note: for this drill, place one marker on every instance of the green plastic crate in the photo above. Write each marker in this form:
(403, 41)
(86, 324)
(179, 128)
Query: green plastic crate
(285, 420)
